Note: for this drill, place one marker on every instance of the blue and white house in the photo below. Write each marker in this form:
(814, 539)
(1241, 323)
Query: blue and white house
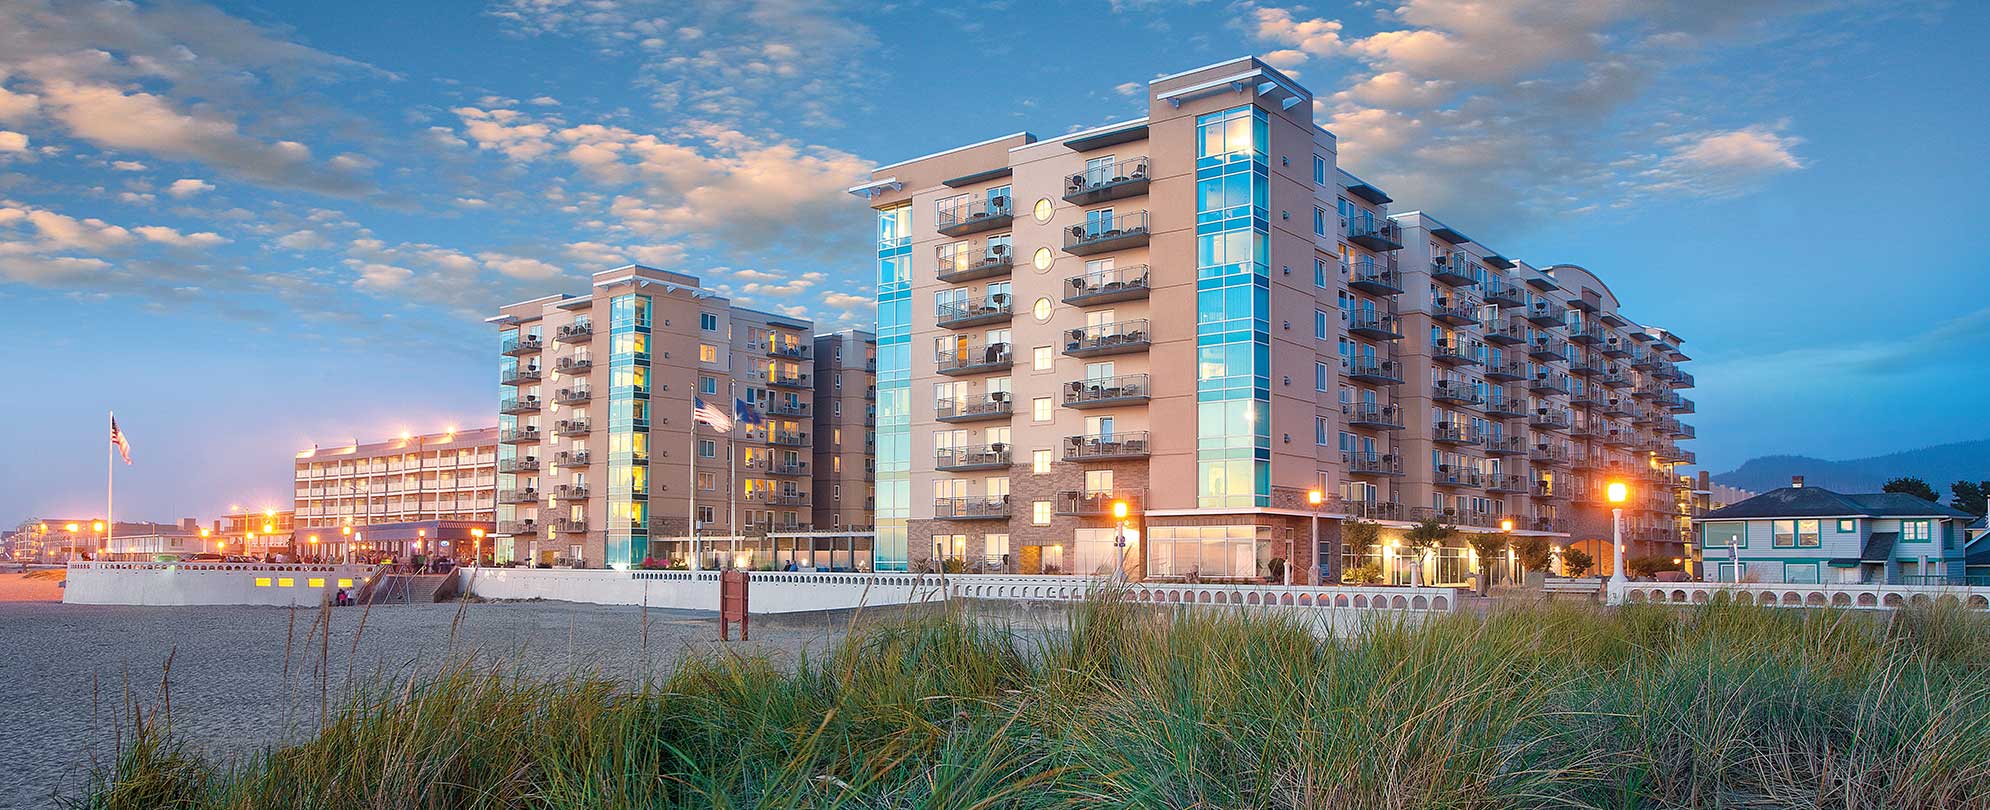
(1811, 534)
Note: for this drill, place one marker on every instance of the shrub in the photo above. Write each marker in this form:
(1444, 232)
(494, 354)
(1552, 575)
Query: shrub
(1363, 574)
(1645, 565)
(1576, 562)
(1534, 552)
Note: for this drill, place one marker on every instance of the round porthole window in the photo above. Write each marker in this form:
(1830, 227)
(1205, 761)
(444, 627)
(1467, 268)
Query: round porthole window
(1041, 310)
(1042, 259)
(1043, 210)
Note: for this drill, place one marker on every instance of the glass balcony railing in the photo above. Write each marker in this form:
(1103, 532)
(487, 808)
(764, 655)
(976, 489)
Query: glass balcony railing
(968, 261)
(1118, 337)
(1107, 286)
(974, 358)
(1100, 392)
(1099, 235)
(1124, 177)
(975, 216)
(1104, 446)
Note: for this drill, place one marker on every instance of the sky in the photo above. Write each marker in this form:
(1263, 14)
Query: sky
(249, 228)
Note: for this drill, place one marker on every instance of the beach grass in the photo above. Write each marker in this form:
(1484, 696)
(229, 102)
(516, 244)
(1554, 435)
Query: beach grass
(1123, 705)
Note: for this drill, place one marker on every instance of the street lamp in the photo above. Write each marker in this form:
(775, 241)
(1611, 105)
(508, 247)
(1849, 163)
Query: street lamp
(1314, 497)
(477, 547)
(1616, 492)
(1119, 510)
(1506, 528)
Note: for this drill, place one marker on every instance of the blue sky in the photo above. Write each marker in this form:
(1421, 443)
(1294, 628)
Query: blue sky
(249, 227)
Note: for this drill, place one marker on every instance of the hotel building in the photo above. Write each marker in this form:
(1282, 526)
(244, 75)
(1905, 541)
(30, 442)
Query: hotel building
(599, 461)
(1200, 315)
(446, 477)
(846, 365)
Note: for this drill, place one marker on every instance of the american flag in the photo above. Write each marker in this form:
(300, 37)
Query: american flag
(117, 438)
(712, 415)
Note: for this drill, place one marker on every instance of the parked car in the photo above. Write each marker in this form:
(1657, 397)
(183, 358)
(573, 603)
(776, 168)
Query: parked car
(205, 556)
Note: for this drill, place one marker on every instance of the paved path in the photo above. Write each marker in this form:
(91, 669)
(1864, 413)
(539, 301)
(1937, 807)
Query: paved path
(68, 669)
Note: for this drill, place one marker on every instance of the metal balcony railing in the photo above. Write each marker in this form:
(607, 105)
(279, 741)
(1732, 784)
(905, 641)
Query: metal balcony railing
(975, 216)
(570, 396)
(789, 379)
(1368, 464)
(783, 407)
(1376, 277)
(995, 309)
(1456, 310)
(787, 437)
(527, 495)
(1099, 392)
(1098, 504)
(1374, 370)
(518, 405)
(1371, 510)
(974, 358)
(518, 375)
(518, 465)
(1497, 445)
(1118, 337)
(516, 346)
(1375, 325)
(1506, 407)
(1124, 177)
(576, 332)
(1455, 433)
(1120, 231)
(574, 365)
(797, 350)
(1373, 415)
(1379, 234)
(519, 435)
(1457, 353)
(973, 457)
(1455, 392)
(572, 458)
(1456, 475)
(570, 491)
(1107, 286)
(1106, 446)
(974, 408)
(571, 427)
(971, 508)
(968, 261)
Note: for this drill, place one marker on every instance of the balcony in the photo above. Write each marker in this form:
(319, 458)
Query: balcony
(973, 313)
(1546, 348)
(1369, 465)
(787, 438)
(1541, 523)
(1549, 419)
(1648, 362)
(786, 407)
(572, 458)
(1371, 510)
(1502, 291)
(1590, 399)
(527, 495)
(1543, 488)
(792, 350)
(518, 346)
(1456, 310)
(1649, 390)
(1454, 353)
(1506, 331)
(971, 508)
(1506, 407)
(1098, 504)
(1589, 334)
(1118, 232)
(518, 405)
(518, 527)
(570, 427)
(524, 435)
(1620, 437)
(1455, 393)
(1615, 378)
(788, 379)
(570, 491)
(788, 467)
(1682, 379)
(1507, 371)
(1375, 326)
(1547, 454)
(1106, 392)
(1506, 445)
(1616, 347)
(576, 332)
(573, 365)
(571, 525)
(1548, 382)
(518, 376)
(1676, 403)
(973, 457)
(572, 396)
(1106, 446)
(1544, 313)
(1586, 365)
(518, 465)
(1375, 371)
(1118, 337)
(1376, 277)
(1455, 475)
(1455, 274)
(964, 261)
(974, 359)
(976, 216)
(1506, 484)
(1126, 177)
(1455, 433)
(1375, 234)
(974, 409)
(1619, 407)
(1107, 286)
(1373, 415)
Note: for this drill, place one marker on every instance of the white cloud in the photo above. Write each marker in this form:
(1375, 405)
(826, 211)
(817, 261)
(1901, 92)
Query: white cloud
(168, 236)
(187, 187)
(506, 131)
(544, 101)
(41, 246)
(13, 141)
(1129, 89)
(520, 267)
(128, 165)
(303, 240)
(373, 276)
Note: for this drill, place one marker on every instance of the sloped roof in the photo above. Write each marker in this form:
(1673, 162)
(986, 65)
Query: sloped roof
(1879, 547)
(1799, 502)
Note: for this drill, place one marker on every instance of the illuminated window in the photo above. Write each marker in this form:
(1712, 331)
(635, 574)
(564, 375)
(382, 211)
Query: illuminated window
(707, 353)
(1040, 462)
(1040, 513)
(262, 582)
(1043, 210)
(316, 582)
(1040, 409)
(1041, 358)
(1042, 259)
(286, 582)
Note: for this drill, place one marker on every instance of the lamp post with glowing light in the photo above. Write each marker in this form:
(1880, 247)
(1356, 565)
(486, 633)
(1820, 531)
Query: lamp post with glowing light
(1119, 510)
(1314, 497)
(103, 543)
(477, 547)
(1506, 528)
(1616, 492)
(72, 529)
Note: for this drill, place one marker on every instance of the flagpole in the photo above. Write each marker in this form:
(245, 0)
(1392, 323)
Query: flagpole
(732, 470)
(110, 475)
(691, 528)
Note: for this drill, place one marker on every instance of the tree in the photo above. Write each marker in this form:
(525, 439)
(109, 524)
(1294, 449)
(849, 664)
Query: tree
(1534, 552)
(1912, 486)
(1970, 497)
(1424, 537)
(1489, 546)
(1576, 562)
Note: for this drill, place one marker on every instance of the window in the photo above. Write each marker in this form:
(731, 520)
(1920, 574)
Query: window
(1040, 462)
(1040, 409)
(1041, 309)
(1319, 170)
(1041, 259)
(708, 322)
(1320, 376)
(707, 353)
(1320, 273)
(708, 385)
(1320, 324)
(1040, 513)
(1319, 221)
(1721, 535)
(1848, 525)
(1784, 533)
(995, 548)
(1041, 358)
(1808, 535)
(1320, 431)
(708, 448)
(1916, 531)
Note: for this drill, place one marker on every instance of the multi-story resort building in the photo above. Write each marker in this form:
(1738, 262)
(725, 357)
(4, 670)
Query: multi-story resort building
(1814, 535)
(264, 532)
(449, 477)
(846, 366)
(1200, 316)
(600, 460)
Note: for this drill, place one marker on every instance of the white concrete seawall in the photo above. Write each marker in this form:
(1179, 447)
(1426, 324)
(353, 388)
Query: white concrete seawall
(137, 583)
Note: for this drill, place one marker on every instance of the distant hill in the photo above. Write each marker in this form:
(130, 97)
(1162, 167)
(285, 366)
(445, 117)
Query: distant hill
(1940, 466)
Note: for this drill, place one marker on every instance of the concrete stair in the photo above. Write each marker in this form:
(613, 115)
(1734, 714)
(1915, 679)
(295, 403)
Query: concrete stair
(411, 589)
